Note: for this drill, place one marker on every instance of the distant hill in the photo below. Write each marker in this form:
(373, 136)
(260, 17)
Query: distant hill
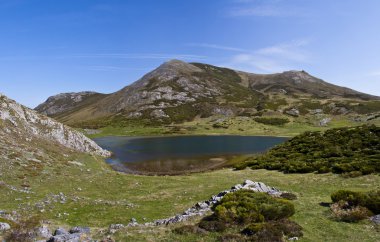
(178, 91)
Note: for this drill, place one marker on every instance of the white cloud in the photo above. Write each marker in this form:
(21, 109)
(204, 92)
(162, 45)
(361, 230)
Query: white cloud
(374, 74)
(276, 58)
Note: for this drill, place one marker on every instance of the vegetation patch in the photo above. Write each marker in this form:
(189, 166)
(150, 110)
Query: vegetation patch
(350, 206)
(247, 215)
(272, 121)
(344, 150)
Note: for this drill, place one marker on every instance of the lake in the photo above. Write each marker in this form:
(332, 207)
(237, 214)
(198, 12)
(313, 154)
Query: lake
(180, 154)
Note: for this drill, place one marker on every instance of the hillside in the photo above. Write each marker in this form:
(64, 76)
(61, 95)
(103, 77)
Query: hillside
(177, 91)
(26, 134)
(66, 102)
(354, 151)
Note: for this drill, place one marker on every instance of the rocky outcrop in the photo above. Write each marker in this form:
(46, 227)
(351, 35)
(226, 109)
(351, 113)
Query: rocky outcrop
(375, 219)
(75, 234)
(4, 227)
(20, 122)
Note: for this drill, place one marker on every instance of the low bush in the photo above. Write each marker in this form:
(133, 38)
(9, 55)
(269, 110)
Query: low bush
(349, 151)
(189, 229)
(272, 121)
(350, 206)
(273, 230)
(369, 200)
(246, 215)
(245, 206)
(342, 211)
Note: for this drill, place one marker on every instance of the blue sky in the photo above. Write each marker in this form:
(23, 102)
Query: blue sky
(48, 47)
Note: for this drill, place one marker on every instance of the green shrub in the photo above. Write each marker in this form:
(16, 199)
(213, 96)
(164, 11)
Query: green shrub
(273, 230)
(246, 206)
(211, 224)
(372, 201)
(288, 196)
(272, 121)
(352, 198)
(349, 151)
(346, 213)
(189, 229)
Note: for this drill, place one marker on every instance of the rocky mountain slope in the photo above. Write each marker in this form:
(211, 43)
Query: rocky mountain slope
(178, 91)
(65, 102)
(22, 129)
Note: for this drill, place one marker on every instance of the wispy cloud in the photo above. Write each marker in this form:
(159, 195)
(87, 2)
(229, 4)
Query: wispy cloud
(276, 58)
(374, 73)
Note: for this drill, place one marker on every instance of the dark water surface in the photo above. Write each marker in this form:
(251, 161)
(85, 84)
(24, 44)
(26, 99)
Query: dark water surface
(180, 154)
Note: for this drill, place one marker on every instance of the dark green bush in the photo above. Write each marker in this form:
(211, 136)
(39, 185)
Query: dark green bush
(342, 211)
(370, 200)
(352, 198)
(273, 230)
(288, 196)
(212, 224)
(272, 121)
(246, 206)
(349, 151)
(352, 206)
(190, 229)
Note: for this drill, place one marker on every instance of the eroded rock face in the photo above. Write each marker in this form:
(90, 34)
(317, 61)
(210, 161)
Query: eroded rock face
(21, 122)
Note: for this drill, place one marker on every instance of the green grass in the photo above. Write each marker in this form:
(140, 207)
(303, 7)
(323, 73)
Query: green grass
(236, 126)
(155, 197)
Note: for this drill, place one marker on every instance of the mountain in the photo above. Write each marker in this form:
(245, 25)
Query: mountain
(26, 134)
(65, 102)
(178, 91)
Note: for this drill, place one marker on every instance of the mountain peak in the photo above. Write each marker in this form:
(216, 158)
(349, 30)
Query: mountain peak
(179, 66)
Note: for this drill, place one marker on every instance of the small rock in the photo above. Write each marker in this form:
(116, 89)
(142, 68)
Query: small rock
(113, 228)
(76, 237)
(375, 219)
(60, 231)
(82, 230)
(293, 112)
(324, 122)
(4, 226)
(43, 232)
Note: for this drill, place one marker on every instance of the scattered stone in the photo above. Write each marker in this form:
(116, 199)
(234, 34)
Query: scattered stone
(159, 113)
(81, 230)
(43, 232)
(201, 208)
(60, 231)
(293, 112)
(324, 122)
(316, 111)
(375, 219)
(77, 237)
(4, 226)
(113, 228)
(133, 223)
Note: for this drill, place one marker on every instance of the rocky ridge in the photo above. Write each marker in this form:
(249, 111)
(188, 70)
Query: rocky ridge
(23, 125)
(177, 91)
